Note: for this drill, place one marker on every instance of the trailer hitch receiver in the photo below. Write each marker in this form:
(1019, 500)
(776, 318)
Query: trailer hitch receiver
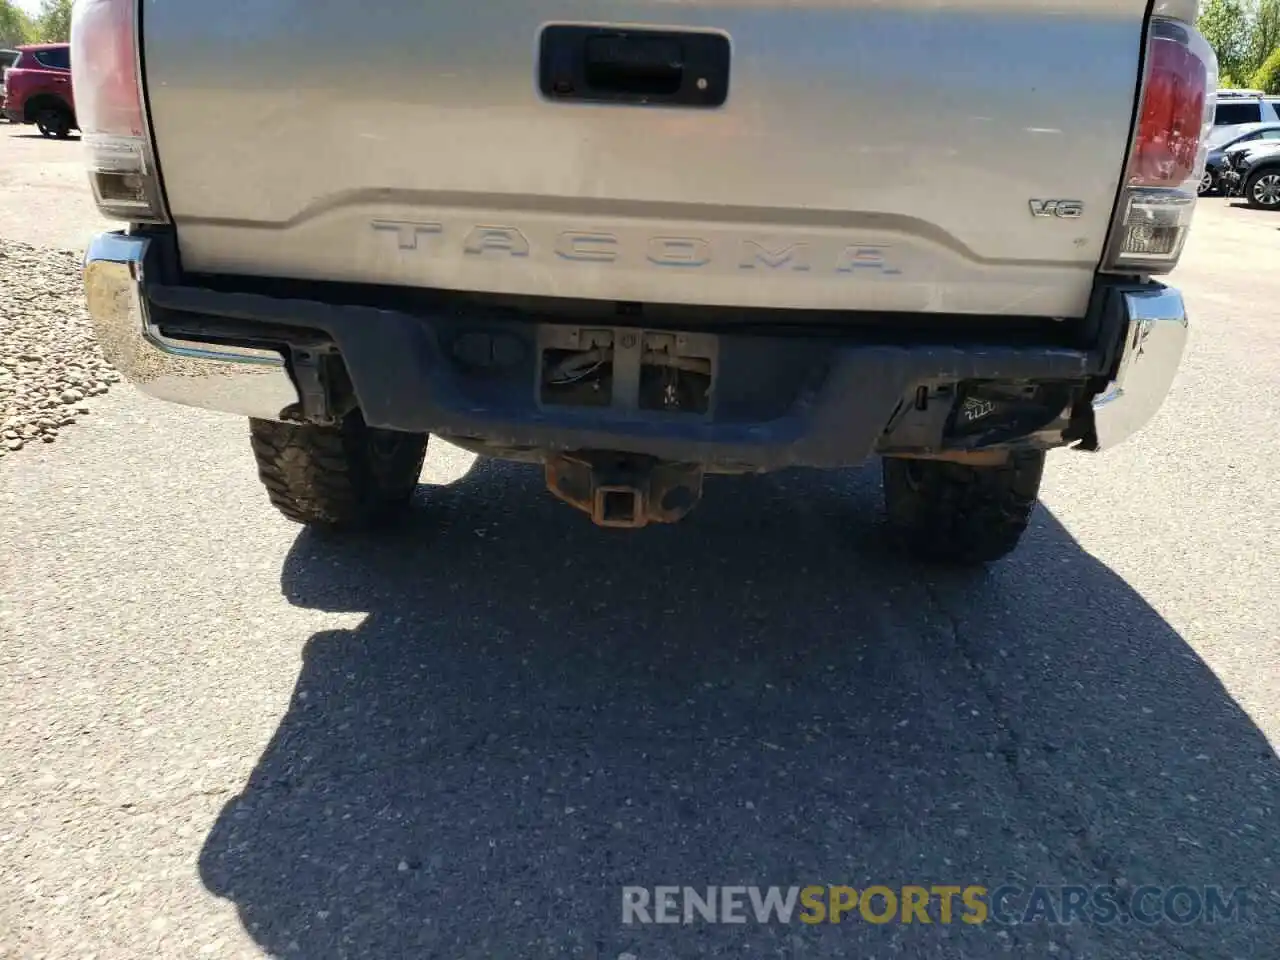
(623, 490)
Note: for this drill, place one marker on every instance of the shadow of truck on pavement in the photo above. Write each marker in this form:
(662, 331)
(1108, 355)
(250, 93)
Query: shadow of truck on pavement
(535, 713)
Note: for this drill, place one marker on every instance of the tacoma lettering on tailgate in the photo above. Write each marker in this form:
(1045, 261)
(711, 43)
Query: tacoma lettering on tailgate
(590, 246)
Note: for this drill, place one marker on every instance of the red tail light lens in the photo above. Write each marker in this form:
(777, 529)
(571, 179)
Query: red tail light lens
(1171, 124)
(1168, 152)
(104, 52)
(109, 107)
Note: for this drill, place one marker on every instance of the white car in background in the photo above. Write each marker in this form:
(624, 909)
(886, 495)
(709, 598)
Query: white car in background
(1239, 107)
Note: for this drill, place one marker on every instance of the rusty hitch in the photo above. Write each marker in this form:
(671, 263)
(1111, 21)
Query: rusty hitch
(624, 490)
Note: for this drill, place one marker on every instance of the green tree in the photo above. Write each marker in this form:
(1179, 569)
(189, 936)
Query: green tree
(1225, 24)
(15, 28)
(53, 25)
(1267, 78)
(1264, 37)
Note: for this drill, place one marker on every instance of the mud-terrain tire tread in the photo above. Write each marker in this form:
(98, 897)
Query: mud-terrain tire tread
(344, 478)
(960, 514)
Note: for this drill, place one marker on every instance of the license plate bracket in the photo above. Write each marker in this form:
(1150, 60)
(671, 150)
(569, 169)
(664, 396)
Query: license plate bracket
(628, 370)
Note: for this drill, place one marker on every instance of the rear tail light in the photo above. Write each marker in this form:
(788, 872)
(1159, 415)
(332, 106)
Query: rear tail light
(1167, 157)
(105, 78)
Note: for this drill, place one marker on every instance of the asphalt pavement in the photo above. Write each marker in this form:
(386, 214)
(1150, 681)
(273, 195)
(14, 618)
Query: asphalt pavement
(223, 736)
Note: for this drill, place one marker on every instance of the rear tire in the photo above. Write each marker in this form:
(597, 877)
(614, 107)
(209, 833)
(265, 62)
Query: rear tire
(347, 477)
(955, 513)
(54, 122)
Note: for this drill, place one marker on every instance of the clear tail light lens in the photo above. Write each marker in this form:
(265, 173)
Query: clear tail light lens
(1167, 157)
(109, 107)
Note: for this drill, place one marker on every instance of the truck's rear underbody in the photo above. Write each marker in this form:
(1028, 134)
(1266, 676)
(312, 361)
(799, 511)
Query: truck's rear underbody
(629, 405)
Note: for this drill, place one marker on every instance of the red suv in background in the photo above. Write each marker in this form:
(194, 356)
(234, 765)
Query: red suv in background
(38, 89)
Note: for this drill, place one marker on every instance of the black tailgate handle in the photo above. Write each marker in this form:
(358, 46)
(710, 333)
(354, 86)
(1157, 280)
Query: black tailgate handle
(643, 67)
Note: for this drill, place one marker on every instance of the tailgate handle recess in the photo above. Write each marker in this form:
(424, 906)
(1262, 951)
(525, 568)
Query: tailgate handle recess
(641, 67)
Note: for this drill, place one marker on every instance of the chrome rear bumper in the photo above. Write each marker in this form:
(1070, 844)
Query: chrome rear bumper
(248, 381)
(405, 382)
(1155, 339)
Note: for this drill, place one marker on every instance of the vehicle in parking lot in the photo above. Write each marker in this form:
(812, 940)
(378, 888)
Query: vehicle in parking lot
(1256, 177)
(644, 252)
(1237, 157)
(1216, 163)
(1238, 107)
(1237, 161)
(7, 58)
(37, 89)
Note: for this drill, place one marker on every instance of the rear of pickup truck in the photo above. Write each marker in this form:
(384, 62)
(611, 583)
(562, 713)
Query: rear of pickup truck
(639, 241)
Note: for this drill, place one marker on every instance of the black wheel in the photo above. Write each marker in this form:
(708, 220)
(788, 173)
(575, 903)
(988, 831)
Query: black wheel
(1263, 189)
(954, 513)
(1207, 183)
(54, 122)
(346, 477)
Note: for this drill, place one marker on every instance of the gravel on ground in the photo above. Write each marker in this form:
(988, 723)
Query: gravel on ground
(50, 363)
